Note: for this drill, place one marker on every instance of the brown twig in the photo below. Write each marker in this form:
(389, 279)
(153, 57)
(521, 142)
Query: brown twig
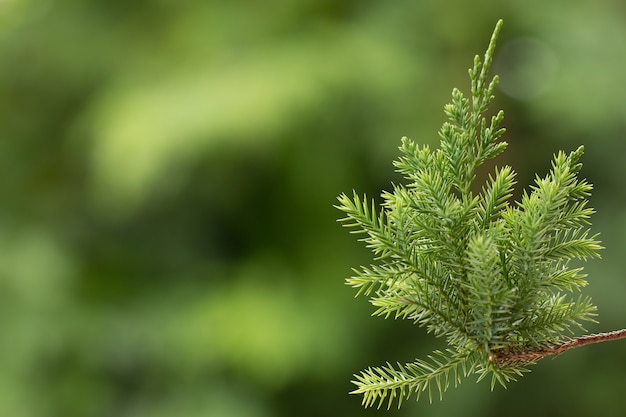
(504, 357)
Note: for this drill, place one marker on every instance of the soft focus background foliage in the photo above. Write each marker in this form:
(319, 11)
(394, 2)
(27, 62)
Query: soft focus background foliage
(168, 245)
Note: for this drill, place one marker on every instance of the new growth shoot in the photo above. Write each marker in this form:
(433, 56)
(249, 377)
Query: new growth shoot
(489, 277)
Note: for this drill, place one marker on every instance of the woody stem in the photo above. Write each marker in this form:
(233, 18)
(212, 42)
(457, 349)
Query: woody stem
(503, 358)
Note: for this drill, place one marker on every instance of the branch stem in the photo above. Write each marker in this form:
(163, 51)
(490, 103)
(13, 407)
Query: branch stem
(504, 357)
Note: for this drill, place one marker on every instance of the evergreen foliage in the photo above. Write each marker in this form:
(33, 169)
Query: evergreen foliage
(490, 277)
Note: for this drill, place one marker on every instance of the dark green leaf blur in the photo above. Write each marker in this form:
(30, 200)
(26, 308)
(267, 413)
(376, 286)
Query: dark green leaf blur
(168, 245)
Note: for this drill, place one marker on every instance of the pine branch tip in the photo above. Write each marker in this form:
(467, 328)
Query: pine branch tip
(489, 275)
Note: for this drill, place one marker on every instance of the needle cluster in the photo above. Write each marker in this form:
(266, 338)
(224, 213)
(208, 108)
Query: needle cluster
(489, 276)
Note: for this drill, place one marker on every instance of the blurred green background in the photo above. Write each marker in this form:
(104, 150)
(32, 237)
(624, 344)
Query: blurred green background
(168, 245)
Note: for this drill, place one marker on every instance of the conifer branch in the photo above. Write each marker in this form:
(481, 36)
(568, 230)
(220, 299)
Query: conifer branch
(491, 278)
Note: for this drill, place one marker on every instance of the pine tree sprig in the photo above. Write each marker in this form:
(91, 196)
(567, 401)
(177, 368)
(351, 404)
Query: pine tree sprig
(490, 276)
(399, 382)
